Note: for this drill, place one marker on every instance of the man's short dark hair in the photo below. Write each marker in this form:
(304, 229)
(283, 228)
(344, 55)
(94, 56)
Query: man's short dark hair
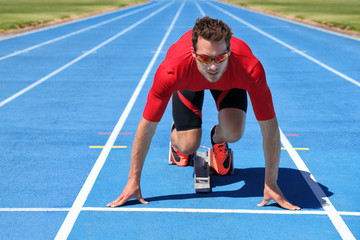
(211, 29)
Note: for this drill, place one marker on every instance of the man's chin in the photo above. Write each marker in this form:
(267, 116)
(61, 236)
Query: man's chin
(212, 79)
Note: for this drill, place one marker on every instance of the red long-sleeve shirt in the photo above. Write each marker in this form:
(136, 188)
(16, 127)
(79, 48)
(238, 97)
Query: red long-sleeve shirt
(179, 71)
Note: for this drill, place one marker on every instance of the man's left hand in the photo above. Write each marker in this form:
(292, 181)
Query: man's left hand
(272, 192)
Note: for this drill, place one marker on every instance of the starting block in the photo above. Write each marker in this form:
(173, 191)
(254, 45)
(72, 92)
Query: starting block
(201, 160)
(202, 170)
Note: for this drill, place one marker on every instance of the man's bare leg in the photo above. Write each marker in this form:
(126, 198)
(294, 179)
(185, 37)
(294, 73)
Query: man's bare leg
(231, 125)
(186, 141)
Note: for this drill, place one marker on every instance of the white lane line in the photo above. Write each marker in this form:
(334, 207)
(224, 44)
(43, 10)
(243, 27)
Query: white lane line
(349, 213)
(34, 209)
(26, 50)
(200, 9)
(330, 210)
(349, 79)
(9, 99)
(200, 210)
(179, 210)
(85, 190)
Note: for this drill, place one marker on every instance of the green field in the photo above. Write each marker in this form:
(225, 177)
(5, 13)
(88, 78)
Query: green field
(344, 14)
(22, 13)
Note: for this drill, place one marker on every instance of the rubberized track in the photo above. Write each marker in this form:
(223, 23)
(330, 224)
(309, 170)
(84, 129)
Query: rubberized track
(67, 89)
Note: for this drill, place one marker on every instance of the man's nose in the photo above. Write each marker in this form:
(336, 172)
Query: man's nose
(213, 65)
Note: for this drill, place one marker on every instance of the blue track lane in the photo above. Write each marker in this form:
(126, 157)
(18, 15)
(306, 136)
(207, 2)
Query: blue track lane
(46, 132)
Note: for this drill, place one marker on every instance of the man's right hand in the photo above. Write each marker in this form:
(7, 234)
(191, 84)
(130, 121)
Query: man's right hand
(141, 145)
(131, 190)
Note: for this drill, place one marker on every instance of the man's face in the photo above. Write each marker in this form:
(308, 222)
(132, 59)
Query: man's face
(212, 71)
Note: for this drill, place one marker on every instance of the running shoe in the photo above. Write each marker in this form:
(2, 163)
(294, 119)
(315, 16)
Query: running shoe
(221, 157)
(179, 158)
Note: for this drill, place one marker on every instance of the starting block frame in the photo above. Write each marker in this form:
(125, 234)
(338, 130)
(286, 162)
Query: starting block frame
(202, 164)
(201, 160)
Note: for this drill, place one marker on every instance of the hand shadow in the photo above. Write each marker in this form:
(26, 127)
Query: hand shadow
(291, 182)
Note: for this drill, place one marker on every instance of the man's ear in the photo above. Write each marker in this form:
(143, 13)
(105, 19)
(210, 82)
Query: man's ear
(193, 51)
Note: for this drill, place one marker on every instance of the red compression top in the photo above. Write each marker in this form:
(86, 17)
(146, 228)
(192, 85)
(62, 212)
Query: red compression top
(179, 71)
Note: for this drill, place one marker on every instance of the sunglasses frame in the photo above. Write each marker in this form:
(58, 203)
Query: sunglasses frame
(212, 58)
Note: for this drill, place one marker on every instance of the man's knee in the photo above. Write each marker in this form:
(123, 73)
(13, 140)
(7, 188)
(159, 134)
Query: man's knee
(187, 148)
(234, 135)
(189, 141)
(232, 123)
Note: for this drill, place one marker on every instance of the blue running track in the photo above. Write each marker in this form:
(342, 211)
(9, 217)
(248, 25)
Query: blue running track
(71, 97)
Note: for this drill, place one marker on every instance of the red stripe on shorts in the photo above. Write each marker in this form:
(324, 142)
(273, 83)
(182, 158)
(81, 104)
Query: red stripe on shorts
(221, 97)
(189, 104)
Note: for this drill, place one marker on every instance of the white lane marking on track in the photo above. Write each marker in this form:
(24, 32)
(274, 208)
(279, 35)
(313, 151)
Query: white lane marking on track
(288, 46)
(34, 209)
(26, 50)
(195, 210)
(200, 210)
(85, 190)
(9, 99)
(200, 9)
(185, 210)
(330, 210)
(349, 213)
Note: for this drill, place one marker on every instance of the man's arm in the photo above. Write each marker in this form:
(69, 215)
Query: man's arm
(140, 148)
(271, 145)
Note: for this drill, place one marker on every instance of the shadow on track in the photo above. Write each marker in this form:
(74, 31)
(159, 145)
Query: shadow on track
(290, 181)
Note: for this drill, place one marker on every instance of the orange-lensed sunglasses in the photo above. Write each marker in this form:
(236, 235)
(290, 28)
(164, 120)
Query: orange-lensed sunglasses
(207, 59)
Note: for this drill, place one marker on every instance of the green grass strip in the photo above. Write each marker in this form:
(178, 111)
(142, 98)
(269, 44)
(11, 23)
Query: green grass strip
(343, 14)
(16, 14)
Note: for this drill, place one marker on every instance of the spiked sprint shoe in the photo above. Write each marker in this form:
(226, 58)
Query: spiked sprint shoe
(178, 158)
(221, 157)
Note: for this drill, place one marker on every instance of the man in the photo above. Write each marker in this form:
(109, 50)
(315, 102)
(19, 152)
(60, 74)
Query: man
(208, 57)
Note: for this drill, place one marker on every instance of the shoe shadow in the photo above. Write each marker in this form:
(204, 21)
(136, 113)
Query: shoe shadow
(291, 182)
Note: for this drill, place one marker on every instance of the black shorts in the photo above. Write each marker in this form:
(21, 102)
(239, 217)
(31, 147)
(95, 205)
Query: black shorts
(187, 105)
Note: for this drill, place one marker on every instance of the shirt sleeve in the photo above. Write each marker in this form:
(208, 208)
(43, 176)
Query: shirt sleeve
(260, 95)
(159, 95)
